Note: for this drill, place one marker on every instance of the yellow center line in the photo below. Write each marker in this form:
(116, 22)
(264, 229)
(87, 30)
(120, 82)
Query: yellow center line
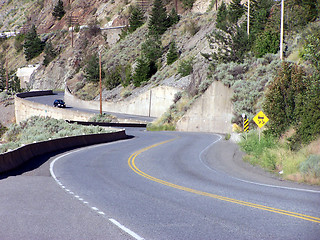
(131, 163)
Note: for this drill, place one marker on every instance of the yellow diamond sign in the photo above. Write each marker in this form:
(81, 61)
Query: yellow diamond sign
(260, 119)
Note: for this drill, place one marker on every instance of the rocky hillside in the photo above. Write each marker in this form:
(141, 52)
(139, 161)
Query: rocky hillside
(67, 67)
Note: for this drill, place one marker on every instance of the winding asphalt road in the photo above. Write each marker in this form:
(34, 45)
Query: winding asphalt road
(156, 185)
(48, 100)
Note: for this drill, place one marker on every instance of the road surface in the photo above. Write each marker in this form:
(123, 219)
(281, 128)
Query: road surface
(48, 100)
(157, 185)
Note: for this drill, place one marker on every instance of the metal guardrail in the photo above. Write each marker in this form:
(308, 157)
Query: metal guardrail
(104, 124)
(14, 159)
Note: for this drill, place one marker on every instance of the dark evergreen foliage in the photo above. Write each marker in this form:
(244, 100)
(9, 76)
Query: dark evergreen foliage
(222, 17)
(172, 55)
(267, 42)
(188, 4)
(33, 46)
(259, 14)
(143, 72)
(158, 22)
(13, 81)
(173, 17)
(136, 18)
(50, 53)
(92, 69)
(235, 11)
(151, 49)
(58, 11)
(229, 46)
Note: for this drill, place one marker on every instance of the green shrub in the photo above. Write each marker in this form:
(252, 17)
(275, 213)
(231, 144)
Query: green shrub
(3, 129)
(163, 127)
(191, 27)
(311, 48)
(113, 77)
(311, 166)
(258, 150)
(18, 42)
(37, 129)
(106, 118)
(185, 67)
(188, 4)
(227, 136)
(267, 42)
(280, 99)
(50, 53)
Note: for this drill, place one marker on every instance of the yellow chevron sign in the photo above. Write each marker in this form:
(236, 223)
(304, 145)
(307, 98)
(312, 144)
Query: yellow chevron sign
(260, 119)
(245, 125)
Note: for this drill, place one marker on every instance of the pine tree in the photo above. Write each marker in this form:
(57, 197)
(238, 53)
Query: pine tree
(136, 19)
(158, 20)
(172, 55)
(151, 49)
(58, 11)
(92, 69)
(33, 46)
(259, 13)
(235, 11)
(2, 78)
(142, 72)
(222, 17)
(173, 17)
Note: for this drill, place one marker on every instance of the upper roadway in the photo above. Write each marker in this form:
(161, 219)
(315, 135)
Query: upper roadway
(48, 100)
(155, 185)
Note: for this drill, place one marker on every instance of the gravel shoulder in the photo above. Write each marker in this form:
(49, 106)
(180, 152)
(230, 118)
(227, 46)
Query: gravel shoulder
(225, 157)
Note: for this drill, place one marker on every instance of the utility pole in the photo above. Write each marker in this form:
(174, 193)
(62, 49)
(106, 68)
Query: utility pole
(248, 19)
(71, 30)
(7, 75)
(216, 5)
(281, 30)
(100, 81)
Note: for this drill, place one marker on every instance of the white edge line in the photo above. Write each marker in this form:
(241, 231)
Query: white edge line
(125, 229)
(242, 180)
(133, 234)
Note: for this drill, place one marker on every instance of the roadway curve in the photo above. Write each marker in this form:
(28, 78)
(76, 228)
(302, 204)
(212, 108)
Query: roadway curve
(169, 192)
(179, 189)
(48, 100)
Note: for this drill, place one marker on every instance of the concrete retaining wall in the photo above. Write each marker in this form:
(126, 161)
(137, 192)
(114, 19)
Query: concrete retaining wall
(212, 112)
(153, 102)
(25, 109)
(17, 157)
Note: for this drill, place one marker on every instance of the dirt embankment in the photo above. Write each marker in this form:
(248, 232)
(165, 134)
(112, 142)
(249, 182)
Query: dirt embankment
(7, 112)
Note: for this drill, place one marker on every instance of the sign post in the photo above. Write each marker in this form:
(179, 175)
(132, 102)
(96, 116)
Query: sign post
(245, 124)
(260, 119)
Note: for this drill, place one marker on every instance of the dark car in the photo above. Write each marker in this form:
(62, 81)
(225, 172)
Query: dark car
(59, 103)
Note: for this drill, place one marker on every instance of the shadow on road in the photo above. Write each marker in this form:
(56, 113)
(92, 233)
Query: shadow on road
(38, 166)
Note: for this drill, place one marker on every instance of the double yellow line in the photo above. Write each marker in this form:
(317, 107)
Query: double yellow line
(131, 163)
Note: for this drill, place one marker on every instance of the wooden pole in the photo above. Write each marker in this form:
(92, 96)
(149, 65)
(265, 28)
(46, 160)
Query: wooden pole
(248, 19)
(281, 30)
(7, 74)
(71, 30)
(100, 82)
